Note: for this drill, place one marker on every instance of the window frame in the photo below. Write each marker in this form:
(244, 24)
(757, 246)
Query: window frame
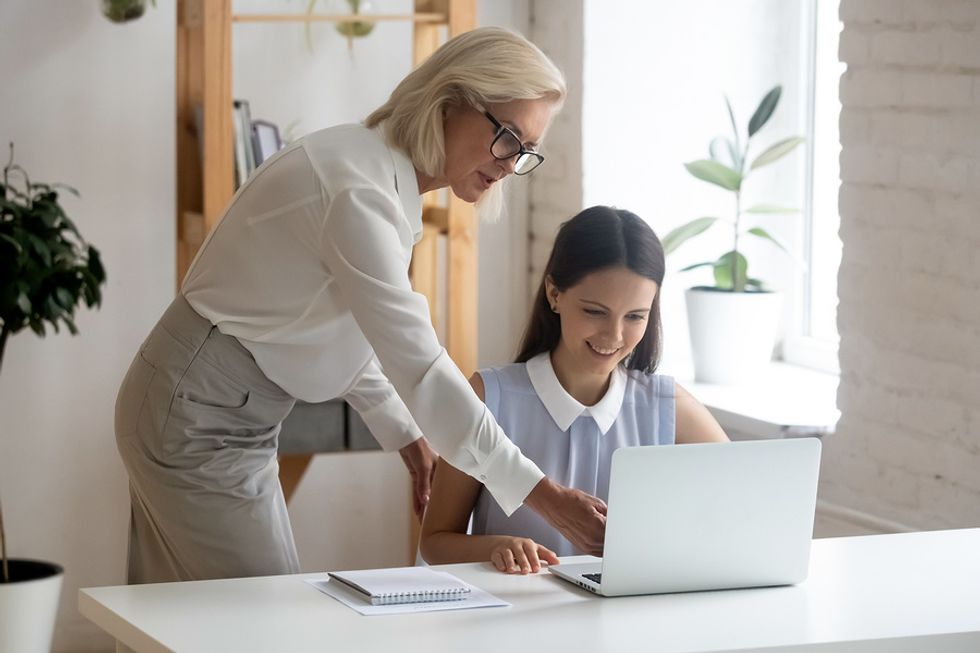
(799, 346)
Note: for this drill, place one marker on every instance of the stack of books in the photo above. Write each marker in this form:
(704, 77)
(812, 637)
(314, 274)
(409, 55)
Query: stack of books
(255, 140)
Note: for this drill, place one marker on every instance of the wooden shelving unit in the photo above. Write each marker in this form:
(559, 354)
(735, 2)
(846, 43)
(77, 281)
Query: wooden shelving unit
(205, 171)
(204, 65)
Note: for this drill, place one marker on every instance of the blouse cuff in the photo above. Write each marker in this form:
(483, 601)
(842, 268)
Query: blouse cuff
(509, 476)
(391, 424)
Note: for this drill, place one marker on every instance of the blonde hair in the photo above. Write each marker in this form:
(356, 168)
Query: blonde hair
(488, 65)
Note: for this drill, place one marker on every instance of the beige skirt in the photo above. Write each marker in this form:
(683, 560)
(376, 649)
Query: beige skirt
(197, 425)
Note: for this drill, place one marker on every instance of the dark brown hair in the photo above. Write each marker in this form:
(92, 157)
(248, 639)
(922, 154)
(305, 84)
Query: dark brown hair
(598, 238)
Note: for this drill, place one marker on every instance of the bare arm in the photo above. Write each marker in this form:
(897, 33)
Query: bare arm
(693, 421)
(444, 539)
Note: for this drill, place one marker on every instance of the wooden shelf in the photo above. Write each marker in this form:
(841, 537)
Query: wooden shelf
(340, 18)
(205, 171)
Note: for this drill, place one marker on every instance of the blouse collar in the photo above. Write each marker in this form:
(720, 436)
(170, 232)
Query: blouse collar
(407, 186)
(563, 407)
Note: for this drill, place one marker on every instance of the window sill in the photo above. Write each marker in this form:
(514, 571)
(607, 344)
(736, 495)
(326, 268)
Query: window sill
(786, 401)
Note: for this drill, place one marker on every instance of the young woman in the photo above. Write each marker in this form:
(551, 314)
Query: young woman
(583, 386)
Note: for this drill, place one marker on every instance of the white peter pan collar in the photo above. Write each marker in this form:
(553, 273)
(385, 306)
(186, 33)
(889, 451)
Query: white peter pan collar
(563, 407)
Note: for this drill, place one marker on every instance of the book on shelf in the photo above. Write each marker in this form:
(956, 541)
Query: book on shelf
(266, 140)
(403, 585)
(244, 155)
(255, 140)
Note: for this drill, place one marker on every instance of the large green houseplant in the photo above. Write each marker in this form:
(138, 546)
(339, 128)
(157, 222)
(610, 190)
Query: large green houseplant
(46, 270)
(737, 303)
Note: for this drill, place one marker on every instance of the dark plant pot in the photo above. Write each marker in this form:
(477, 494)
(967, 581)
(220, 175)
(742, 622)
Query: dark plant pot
(121, 11)
(29, 605)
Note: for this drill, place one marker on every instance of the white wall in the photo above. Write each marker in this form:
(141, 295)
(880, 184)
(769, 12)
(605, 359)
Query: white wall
(556, 188)
(908, 443)
(91, 104)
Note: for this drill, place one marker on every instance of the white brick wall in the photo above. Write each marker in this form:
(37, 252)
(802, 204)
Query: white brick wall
(908, 444)
(556, 188)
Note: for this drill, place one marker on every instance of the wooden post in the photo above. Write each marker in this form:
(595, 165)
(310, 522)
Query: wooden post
(461, 273)
(203, 80)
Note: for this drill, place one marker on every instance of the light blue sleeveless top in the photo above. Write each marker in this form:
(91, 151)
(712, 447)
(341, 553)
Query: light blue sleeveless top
(570, 442)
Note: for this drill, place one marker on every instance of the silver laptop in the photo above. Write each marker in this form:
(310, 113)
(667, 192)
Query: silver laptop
(711, 516)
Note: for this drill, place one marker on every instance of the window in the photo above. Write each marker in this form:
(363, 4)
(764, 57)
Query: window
(653, 97)
(813, 341)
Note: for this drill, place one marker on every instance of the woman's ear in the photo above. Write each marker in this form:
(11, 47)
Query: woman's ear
(551, 293)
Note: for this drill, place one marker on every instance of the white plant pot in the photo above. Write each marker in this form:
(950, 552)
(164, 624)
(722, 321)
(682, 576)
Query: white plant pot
(29, 606)
(732, 334)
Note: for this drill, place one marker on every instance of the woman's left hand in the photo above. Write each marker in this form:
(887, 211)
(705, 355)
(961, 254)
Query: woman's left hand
(420, 459)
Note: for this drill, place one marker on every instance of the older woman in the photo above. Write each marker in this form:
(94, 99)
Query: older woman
(302, 292)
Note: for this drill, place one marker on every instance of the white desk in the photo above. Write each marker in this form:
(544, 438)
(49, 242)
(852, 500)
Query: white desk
(894, 593)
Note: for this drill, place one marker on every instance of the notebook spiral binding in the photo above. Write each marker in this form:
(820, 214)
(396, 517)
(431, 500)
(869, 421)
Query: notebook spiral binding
(457, 594)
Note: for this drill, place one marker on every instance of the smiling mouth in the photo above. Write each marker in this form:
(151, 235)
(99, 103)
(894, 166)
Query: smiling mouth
(602, 351)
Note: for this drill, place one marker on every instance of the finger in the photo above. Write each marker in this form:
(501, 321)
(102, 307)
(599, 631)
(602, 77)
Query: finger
(547, 555)
(520, 557)
(498, 561)
(423, 486)
(531, 553)
(509, 562)
(600, 506)
(432, 470)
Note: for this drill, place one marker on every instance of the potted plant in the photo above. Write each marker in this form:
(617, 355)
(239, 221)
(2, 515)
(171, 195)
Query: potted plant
(733, 323)
(46, 270)
(123, 11)
(349, 28)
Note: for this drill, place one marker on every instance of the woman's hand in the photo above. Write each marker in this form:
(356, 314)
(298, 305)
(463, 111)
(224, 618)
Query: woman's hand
(520, 555)
(579, 516)
(420, 459)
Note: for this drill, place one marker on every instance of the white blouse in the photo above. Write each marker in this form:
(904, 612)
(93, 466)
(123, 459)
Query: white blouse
(308, 268)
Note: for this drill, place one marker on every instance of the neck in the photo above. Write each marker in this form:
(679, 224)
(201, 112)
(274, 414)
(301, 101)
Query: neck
(427, 183)
(586, 388)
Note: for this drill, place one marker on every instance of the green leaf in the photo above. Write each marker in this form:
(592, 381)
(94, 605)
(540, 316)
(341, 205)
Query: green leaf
(777, 151)
(738, 143)
(715, 173)
(678, 236)
(754, 284)
(762, 233)
(65, 299)
(24, 303)
(16, 245)
(764, 110)
(52, 312)
(694, 266)
(95, 264)
(723, 271)
(42, 249)
(771, 208)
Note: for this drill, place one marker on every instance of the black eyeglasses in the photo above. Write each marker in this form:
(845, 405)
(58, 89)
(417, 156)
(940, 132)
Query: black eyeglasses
(506, 145)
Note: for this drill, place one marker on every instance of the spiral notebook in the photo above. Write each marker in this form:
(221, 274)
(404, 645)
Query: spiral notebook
(403, 585)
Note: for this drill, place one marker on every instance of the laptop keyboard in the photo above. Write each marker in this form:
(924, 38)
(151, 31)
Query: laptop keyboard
(595, 578)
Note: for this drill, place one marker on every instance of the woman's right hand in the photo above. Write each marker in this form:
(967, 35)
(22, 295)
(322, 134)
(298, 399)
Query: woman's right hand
(520, 555)
(579, 516)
